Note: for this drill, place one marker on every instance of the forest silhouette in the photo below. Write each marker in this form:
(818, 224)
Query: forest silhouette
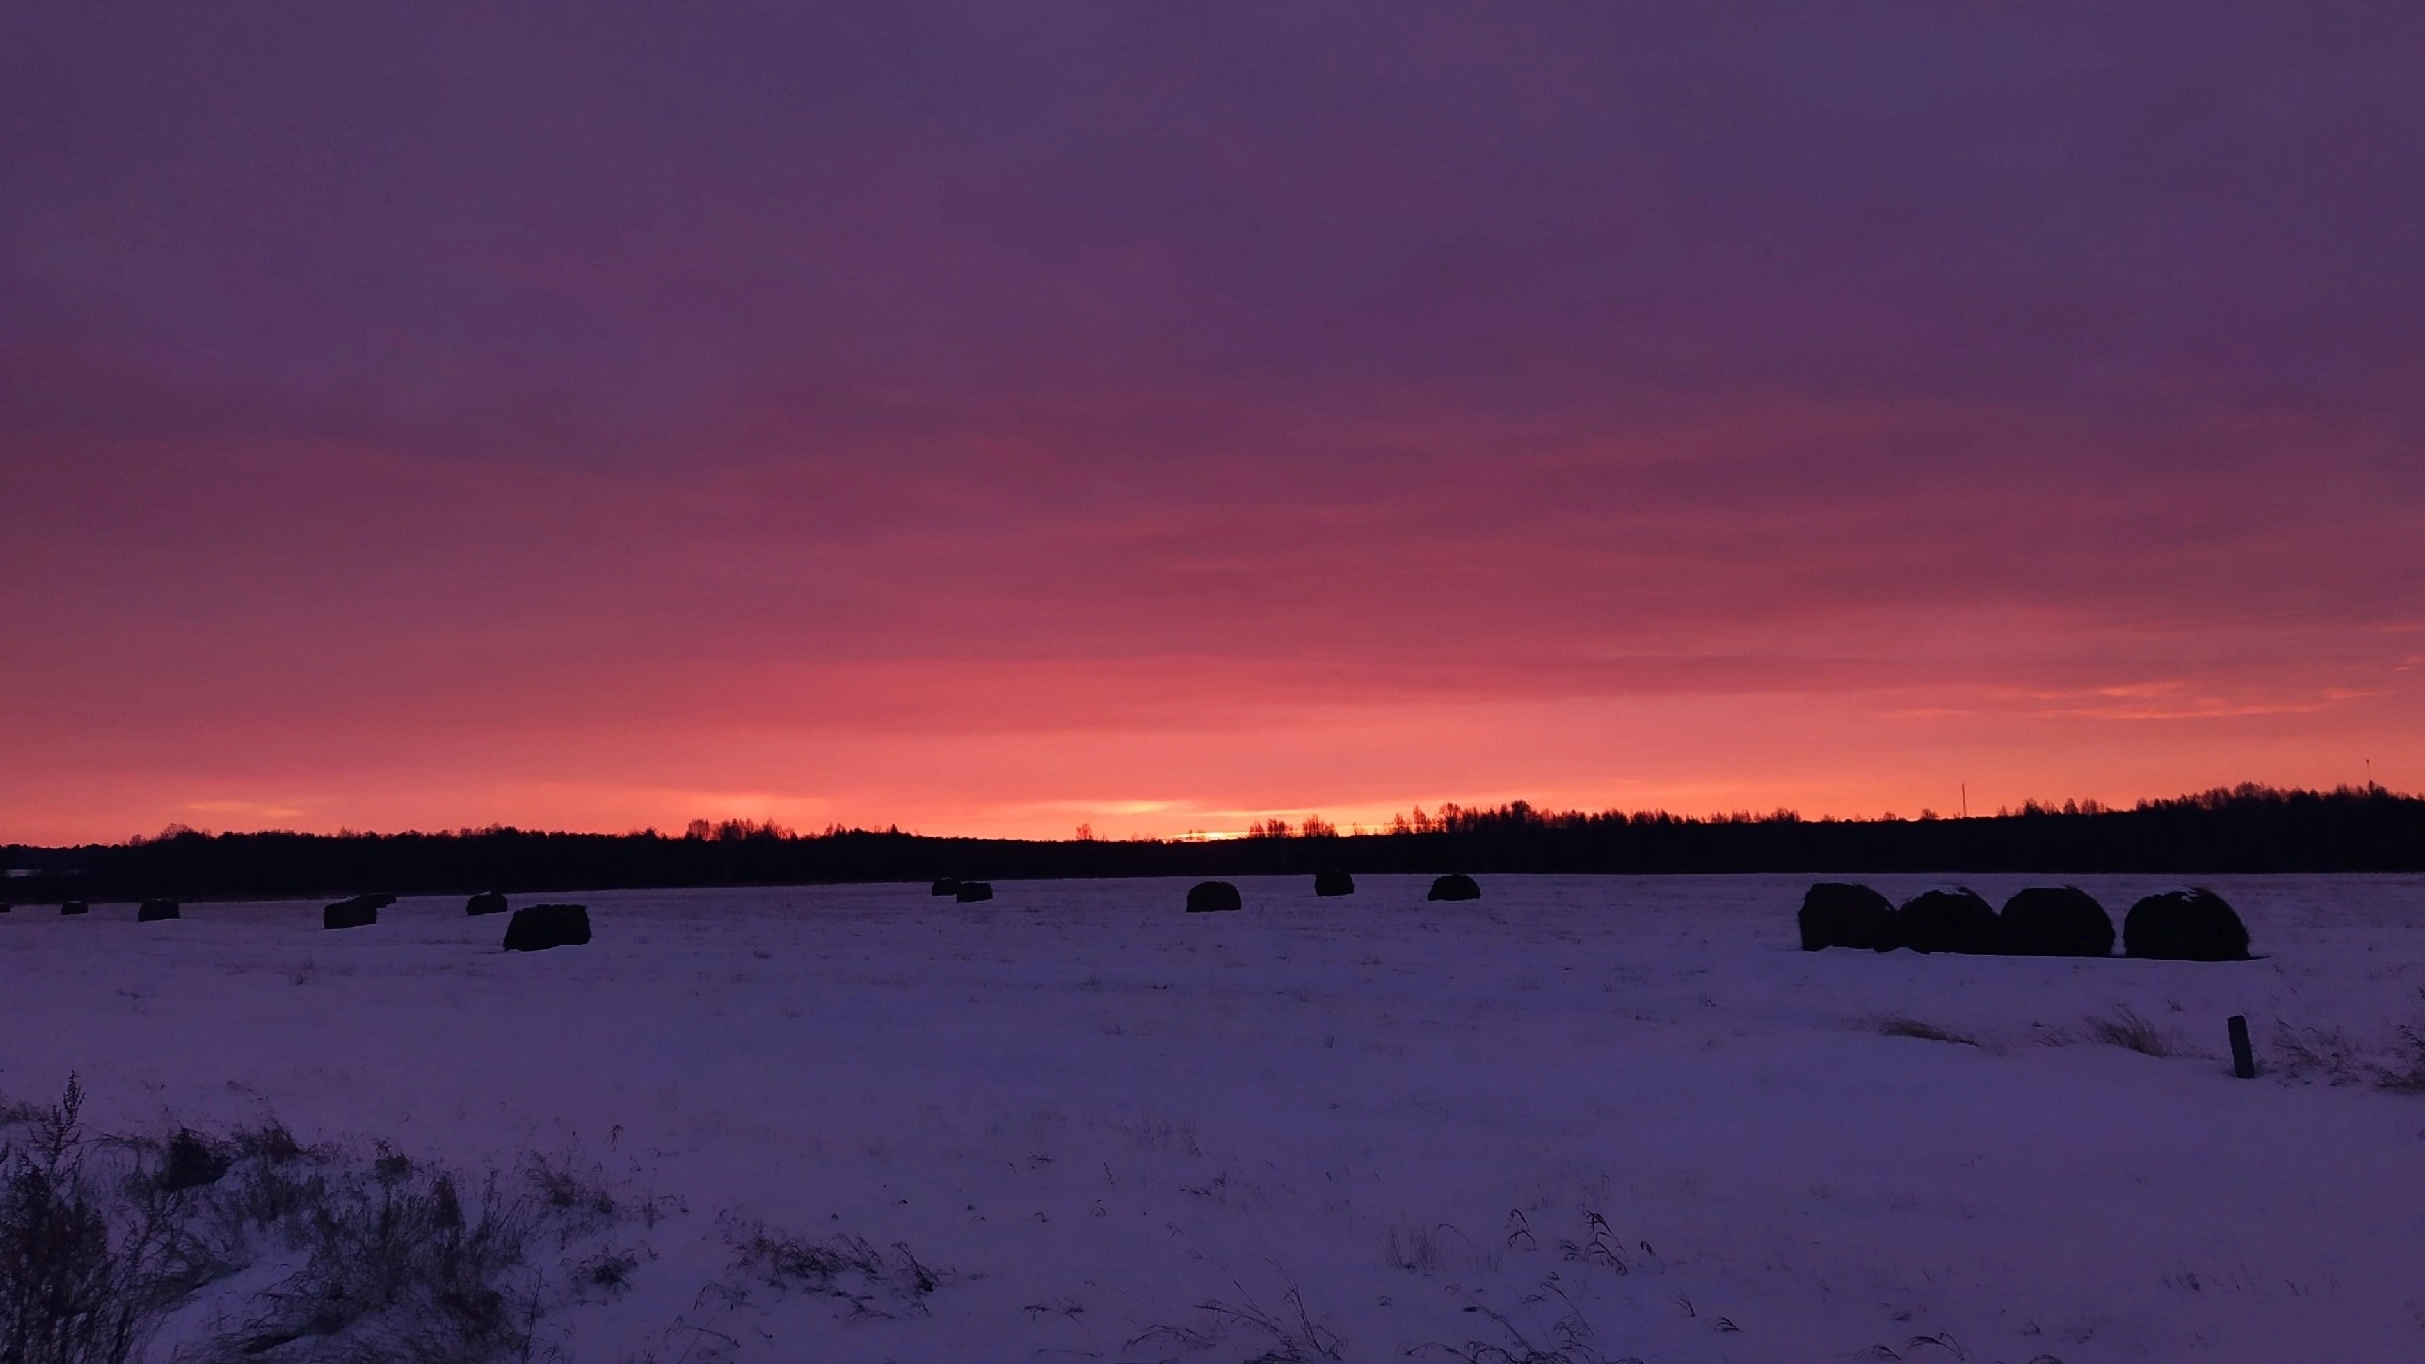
(2242, 829)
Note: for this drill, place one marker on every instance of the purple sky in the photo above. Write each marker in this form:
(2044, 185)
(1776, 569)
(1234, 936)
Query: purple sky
(993, 418)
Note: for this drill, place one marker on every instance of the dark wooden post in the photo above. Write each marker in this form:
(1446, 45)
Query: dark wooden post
(2243, 1060)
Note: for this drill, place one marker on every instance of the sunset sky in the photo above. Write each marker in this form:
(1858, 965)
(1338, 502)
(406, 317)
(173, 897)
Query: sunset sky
(992, 418)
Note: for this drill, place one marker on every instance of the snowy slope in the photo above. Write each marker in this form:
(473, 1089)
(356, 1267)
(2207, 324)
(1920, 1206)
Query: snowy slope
(1616, 1117)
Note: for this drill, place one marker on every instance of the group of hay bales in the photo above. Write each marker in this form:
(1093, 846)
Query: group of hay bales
(1214, 897)
(2042, 921)
(534, 928)
(965, 892)
(357, 911)
(531, 929)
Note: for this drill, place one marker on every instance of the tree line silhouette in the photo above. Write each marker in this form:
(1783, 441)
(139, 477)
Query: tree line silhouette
(2242, 829)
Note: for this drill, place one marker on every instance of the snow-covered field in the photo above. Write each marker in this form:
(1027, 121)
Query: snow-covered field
(1608, 1117)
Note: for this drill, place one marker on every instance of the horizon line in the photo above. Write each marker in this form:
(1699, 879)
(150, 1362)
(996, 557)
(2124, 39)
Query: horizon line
(1414, 821)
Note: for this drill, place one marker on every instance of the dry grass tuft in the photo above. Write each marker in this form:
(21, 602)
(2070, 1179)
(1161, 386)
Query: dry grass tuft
(2125, 1029)
(2337, 1059)
(1901, 1025)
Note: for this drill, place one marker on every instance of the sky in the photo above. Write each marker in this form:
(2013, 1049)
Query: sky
(995, 418)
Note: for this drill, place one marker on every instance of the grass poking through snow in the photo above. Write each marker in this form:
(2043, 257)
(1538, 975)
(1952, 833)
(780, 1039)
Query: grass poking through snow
(2124, 1028)
(1899, 1025)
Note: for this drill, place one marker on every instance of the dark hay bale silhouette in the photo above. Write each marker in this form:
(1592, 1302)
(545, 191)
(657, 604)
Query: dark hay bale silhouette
(361, 911)
(1842, 914)
(1946, 921)
(2055, 921)
(972, 891)
(191, 1163)
(1334, 883)
(152, 911)
(1212, 897)
(75, 907)
(2184, 925)
(539, 927)
(486, 902)
(945, 885)
(1454, 886)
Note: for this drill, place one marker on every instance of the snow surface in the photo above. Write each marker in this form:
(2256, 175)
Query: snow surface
(1614, 1116)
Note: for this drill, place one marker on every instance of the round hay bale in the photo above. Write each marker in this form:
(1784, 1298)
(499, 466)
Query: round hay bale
(153, 911)
(945, 885)
(1334, 882)
(1843, 914)
(360, 911)
(486, 902)
(1212, 897)
(969, 892)
(539, 927)
(2055, 921)
(2184, 925)
(1955, 920)
(1454, 886)
(75, 907)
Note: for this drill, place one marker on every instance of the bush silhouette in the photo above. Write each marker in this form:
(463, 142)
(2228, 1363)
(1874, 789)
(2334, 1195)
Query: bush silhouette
(945, 885)
(1334, 882)
(1946, 921)
(2055, 921)
(540, 927)
(361, 911)
(486, 902)
(191, 1163)
(969, 892)
(2184, 925)
(152, 911)
(1211, 897)
(1841, 914)
(1454, 886)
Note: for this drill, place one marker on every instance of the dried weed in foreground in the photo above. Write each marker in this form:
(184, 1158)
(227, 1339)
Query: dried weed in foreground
(2125, 1029)
(1900, 1025)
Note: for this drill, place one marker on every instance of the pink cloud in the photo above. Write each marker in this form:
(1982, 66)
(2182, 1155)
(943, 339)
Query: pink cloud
(996, 421)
